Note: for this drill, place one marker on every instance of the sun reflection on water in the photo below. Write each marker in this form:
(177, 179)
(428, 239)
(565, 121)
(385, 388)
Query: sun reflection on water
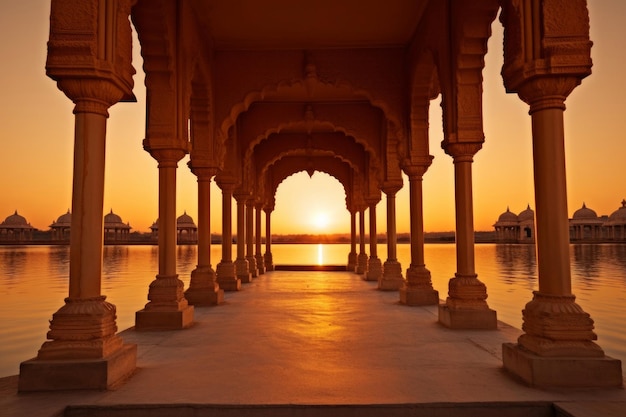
(320, 254)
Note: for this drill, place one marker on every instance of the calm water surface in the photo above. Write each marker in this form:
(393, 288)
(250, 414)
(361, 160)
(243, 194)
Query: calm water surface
(34, 282)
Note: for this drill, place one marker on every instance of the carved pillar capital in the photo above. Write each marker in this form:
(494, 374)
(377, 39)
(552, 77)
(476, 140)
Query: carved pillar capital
(91, 95)
(547, 92)
(390, 188)
(167, 157)
(202, 169)
(415, 169)
(462, 151)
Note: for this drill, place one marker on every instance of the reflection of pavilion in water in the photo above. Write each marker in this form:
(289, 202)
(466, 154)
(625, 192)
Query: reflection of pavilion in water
(255, 101)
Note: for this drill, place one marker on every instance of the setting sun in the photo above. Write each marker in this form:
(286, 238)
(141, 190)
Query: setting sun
(320, 221)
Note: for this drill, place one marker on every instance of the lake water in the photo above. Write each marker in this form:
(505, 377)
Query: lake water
(34, 282)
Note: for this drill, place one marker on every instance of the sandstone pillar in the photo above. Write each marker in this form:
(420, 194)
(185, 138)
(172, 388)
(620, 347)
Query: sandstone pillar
(374, 265)
(361, 265)
(466, 306)
(203, 287)
(226, 277)
(260, 262)
(557, 347)
(418, 288)
(250, 239)
(352, 256)
(543, 67)
(83, 350)
(242, 270)
(269, 261)
(392, 270)
(167, 309)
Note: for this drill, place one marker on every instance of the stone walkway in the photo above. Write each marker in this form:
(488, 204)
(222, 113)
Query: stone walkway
(315, 338)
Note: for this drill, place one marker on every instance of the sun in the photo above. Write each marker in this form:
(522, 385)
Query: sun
(320, 221)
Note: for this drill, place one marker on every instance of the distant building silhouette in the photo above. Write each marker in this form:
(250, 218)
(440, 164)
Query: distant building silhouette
(186, 230)
(587, 226)
(16, 229)
(61, 227)
(584, 226)
(115, 230)
(514, 228)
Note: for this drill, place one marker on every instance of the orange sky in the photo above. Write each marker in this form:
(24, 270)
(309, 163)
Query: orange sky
(36, 143)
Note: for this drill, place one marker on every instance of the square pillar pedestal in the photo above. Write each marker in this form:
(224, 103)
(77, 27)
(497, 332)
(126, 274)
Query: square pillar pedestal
(79, 374)
(561, 372)
(152, 319)
(468, 319)
(418, 297)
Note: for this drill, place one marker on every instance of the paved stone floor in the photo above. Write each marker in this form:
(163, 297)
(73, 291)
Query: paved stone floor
(314, 338)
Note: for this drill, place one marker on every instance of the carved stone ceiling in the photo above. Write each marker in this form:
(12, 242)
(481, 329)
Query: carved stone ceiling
(289, 24)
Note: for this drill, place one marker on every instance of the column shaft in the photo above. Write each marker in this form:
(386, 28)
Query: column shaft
(551, 200)
(167, 219)
(86, 240)
(464, 218)
(391, 278)
(269, 261)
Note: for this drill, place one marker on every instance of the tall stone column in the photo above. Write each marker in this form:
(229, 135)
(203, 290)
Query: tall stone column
(374, 265)
(226, 276)
(168, 308)
(269, 260)
(83, 350)
(557, 347)
(203, 287)
(241, 263)
(543, 67)
(392, 270)
(361, 264)
(418, 288)
(352, 256)
(466, 306)
(250, 239)
(260, 262)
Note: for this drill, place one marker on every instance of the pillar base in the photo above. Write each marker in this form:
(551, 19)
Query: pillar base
(150, 319)
(229, 284)
(260, 263)
(83, 374)
(242, 271)
(351, 267)
(374, 270)
(418, 296)
(252, 266)
(361, 266)
(226, 277)
(468, 319)
(245, 278)
(204, 296)
(269, 261)
(392, 277)
(561, 372)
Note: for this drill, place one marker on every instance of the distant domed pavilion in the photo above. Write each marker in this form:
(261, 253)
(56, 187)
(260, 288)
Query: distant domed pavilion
(186, 229)
(585, 225)
(15, 228)
(115, 230)
(61, 227)
(617, 223)
(514, 228)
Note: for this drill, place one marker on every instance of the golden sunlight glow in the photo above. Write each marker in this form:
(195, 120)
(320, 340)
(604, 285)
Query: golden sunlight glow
(320, 254)
(320, 221)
